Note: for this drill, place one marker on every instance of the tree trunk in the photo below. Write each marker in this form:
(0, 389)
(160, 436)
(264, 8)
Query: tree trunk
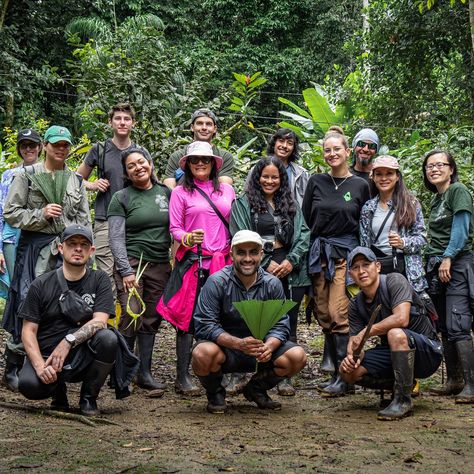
(3, 12)
(471, 24)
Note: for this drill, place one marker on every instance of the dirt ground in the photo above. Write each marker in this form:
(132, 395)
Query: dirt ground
(174, 434)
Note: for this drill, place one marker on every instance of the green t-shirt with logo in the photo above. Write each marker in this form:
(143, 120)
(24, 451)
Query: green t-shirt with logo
(146, 222)
(443, 208)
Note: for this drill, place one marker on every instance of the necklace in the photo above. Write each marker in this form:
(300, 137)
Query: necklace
(337, 186)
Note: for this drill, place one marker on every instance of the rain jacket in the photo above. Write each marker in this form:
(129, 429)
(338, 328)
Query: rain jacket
(215, 313)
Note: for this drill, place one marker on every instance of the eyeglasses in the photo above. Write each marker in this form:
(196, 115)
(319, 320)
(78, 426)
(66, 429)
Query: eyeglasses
(371, 146)
(194, 160)
(439, 166)
(29, 146)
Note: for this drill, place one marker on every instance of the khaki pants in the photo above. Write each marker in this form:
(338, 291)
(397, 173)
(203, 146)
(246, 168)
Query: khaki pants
(103, 255)
(331, 300)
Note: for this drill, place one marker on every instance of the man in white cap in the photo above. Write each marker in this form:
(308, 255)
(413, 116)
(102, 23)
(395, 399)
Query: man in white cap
(225, 343)
(204, 129)
(365, 146)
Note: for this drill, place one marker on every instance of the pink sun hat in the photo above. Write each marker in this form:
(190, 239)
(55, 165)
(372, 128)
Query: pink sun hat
(200, 149)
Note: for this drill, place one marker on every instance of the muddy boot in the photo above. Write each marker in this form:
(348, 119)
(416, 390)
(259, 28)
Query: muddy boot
(454, 376)
(327, 363)
(93, 381)
(285, 388)
(466, 356)
(184, 382)
(236, 383)
(59, 400)
(256, 389)
(145, 344)
(13, 364)
(215, 393)
(338, 387)
(403, 363)
(330, 353)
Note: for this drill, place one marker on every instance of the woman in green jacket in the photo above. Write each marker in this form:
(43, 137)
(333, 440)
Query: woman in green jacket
(267, 207)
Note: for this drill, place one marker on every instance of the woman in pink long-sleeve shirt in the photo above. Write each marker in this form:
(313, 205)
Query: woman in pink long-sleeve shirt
(194, 223)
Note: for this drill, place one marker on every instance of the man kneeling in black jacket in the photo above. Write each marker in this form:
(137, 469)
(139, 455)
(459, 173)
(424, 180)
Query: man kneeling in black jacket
(225, 344)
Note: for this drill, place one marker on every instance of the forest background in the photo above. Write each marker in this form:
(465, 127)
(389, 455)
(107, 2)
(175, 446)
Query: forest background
(402, 67)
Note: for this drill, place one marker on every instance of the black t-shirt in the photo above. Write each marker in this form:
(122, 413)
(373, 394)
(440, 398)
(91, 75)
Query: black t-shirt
(113, 171)
(42, 305)
(399, 291)
(331, 212)
(361, 174)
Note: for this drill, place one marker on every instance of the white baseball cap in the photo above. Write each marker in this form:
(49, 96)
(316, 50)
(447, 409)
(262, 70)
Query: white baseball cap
(246, 237)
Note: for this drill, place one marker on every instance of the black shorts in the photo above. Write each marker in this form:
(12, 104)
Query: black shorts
(428, 357)
(237, 361)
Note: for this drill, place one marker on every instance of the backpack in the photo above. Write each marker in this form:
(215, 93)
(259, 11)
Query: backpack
(101, 150)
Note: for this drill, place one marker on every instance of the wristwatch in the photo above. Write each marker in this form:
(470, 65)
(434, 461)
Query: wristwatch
(71, 338)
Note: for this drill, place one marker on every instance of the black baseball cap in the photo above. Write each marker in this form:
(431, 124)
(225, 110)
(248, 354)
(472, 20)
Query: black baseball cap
(28, 134)
(365, 251)
(77, 229)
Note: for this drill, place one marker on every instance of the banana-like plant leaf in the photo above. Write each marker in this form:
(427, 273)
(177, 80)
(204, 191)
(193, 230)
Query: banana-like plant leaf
(306, 123)
(261, 316)
(291, 104)
(244, 147)
(319, 108)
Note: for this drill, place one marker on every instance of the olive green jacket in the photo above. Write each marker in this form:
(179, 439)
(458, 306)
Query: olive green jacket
(241, 218)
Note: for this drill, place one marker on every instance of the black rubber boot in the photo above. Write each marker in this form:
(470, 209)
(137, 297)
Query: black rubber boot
(130, 340)
(327, 363)
(403, 363)
(59, 400)
(236, 383)
(184, 383)
(145, 344)
(285, 388)
(454, 376)
(338, 388)
(215, 393)
(466, 356)
(93, 382)
(256, 389)
(330, 353)
(13, 364)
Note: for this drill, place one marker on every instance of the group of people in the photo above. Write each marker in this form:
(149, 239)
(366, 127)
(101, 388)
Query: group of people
(187, 249)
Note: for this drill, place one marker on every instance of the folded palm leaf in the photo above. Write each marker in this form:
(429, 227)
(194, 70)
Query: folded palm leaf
(51, 185)
(261, 316)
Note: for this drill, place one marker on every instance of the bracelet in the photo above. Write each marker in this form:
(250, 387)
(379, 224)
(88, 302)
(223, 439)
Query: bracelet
(185, 240)
(188, 239)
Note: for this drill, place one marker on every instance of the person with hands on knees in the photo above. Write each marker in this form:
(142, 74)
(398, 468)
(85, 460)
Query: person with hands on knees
(409, 344)
(65, 332)
(450, 269)
(268, 208)
(224, 342)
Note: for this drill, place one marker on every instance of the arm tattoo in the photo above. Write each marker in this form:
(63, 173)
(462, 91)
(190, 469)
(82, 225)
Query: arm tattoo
(87, 331)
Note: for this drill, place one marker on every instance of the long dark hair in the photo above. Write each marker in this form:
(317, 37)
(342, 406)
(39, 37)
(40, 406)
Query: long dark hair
(284, 203)
(403, 200)
(452, 165)
(287, 134)
(145, 153)
(188, 179)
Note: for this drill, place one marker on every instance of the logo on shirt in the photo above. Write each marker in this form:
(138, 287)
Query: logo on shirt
(347, 197)
(161, 202)
(89, 299)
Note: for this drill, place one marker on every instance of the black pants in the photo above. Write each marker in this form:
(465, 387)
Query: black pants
(102, 347)
(454, 301)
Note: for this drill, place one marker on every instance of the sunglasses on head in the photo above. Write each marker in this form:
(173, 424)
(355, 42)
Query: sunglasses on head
(371, 146)
(194, 160)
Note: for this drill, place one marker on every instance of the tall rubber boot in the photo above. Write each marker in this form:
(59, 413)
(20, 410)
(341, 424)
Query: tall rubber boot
(215, 393)
(454, 375)
(403, 363)
(130, 340)
(236, 383)
(466, 356)
(59, 400)
(256, 389)
(184, 383)
(285, 388)
(329, 352)
(327, 363)
(145, 344)
(93, 382)
(13, 364)
(339, 387)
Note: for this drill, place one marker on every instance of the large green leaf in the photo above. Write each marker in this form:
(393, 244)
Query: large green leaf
(261, 316)
(319, 108)
(305, 122)
(240, 151)
(295, 107)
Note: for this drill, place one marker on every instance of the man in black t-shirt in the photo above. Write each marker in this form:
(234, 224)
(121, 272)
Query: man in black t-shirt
(59, 349)
(409, 345)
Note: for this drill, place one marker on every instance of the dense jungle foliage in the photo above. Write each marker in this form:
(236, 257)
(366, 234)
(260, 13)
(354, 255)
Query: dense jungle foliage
(402, 67)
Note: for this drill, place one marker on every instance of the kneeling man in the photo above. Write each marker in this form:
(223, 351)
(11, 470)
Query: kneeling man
(409, 345)
(61, 345)
(225, 344)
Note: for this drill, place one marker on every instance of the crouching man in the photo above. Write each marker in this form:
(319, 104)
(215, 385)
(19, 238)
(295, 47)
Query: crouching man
(64, 333)
(409, 345)
(225, 344)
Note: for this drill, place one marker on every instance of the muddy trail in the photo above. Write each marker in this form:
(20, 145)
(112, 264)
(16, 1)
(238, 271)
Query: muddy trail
(174, 434)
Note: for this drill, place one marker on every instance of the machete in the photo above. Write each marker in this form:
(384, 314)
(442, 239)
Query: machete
(373, 316)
